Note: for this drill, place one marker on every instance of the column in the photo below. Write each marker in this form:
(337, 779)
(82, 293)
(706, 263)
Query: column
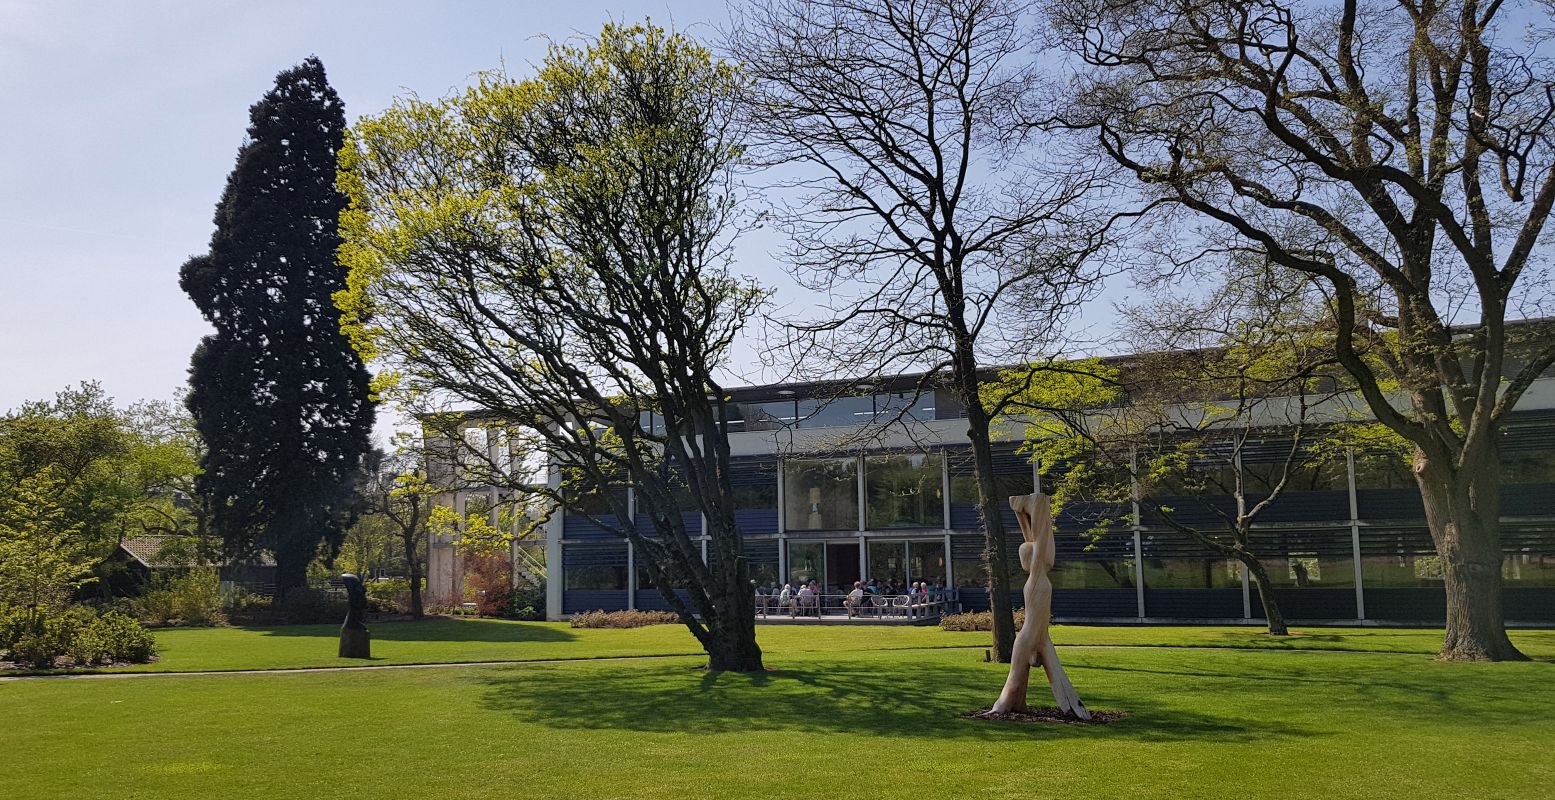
(555, 574)
(631, 577)
(1355, 536)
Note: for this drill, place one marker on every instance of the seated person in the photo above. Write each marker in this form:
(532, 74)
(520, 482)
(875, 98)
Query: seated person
(807, 598)
(855, 599)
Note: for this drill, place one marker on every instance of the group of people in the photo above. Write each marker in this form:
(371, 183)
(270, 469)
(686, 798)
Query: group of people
(807, 598)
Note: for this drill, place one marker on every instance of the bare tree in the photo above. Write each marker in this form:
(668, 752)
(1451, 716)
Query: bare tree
(554, 253)
(913, 201)
(1220, 383)
(1397, 152)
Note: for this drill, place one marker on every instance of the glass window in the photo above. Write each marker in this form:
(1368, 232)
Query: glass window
(595, 578)
(1192, 573)
(596, 503)
(761, 416)
(905, 491)
(963, 488)
(1309, 571)
(1116, 574)
(1520, 570)
(1528, 467)
(836, 412)
(905, 405)
(926, 563)
(806, 562)
(888, 565)
(820, 494)
(1401, 571)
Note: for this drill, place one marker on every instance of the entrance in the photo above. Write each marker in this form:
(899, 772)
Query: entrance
(842, 567)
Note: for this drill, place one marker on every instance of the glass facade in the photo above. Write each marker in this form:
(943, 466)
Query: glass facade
(1099, 574)
(806, 562)
(887, 564)
(926, 563)
(905, 491)
(595, 578)
(1192, 573)
(820, 494)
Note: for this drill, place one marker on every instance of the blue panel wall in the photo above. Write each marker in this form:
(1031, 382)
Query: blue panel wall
(579, 600)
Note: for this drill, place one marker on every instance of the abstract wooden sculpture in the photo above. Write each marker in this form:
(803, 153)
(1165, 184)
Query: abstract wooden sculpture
(1033, 645)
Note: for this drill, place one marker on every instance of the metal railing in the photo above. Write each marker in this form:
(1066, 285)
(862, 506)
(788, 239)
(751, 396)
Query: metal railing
(871, 606)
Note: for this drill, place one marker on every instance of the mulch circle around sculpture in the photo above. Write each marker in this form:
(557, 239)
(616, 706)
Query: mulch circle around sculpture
(1046, 714)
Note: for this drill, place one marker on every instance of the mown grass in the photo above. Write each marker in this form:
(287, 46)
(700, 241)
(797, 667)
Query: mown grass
(840, 714)
(451, 640)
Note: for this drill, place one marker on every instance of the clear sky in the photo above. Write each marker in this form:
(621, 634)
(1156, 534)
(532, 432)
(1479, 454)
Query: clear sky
(120, 124)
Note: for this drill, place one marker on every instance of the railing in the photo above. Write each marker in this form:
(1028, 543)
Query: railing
(870, 606)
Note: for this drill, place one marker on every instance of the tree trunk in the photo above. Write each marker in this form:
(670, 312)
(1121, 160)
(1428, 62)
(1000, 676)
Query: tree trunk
(995, 554)
(1271, 608)
(1463, 511)
(413, 567)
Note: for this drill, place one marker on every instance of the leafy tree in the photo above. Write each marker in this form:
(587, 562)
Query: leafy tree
(1399, 154)
(277, 393)
(944, 239)
(43, 557)
(398, 500)
(554, 253)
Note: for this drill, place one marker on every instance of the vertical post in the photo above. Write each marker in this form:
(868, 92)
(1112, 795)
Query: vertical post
(555, 574)
(782, 559)
(1355, 536)
(863, 554)
(1247, 595)
(631, 576)
(863, 518)
(944, 468)
(781, 500)
(1139, 552)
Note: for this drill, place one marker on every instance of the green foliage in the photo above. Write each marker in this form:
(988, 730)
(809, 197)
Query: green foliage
(192, 598)
(276, 392)
(78, 634)
(307, 606)
(390, 596)
(43, 557)
(623, 619)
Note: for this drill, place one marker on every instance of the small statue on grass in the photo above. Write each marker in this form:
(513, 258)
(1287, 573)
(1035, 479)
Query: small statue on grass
(1033, 645)
(354, 640)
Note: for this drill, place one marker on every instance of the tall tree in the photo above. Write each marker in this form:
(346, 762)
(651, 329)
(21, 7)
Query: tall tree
(945, 240)
(277, 392)
(554, 252)
(398, 493)
(1400, 154)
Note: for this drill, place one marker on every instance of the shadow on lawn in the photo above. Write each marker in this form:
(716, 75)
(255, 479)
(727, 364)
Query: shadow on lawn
(437, 630)
(893, 700)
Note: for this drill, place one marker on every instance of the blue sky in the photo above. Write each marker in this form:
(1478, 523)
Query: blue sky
(121, 121)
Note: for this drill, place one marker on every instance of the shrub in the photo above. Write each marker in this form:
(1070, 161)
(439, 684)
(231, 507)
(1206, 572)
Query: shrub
(193, 598)
(976, 621)
(623, 619)
(303, 606)
(389, 596)
(488, 581)
(79, 634)
(528, 601)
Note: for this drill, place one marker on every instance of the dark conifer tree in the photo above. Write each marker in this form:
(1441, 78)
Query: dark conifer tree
(276, 391)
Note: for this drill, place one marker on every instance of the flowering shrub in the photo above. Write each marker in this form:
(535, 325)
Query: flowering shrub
(623, 619)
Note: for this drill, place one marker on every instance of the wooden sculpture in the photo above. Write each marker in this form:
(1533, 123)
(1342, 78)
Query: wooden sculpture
(1033, 645)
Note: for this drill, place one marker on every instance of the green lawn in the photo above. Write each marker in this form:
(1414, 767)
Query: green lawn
(439, 641)
(845, 712)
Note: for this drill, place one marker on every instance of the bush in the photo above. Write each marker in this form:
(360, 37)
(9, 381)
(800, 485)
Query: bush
(304, 606)
(193, 598)
(528, 602)
(488, 579)
(389, 596)
(976, 621)
(79, 634)
(623, 619)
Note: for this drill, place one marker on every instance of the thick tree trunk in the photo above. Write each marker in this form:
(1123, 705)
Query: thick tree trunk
(995, 554)
(1463, 512)
(290, 573)
(413, 567)
(1271, 608)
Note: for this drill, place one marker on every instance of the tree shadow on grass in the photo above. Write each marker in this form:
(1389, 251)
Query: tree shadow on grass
(438, 630)
(889, 699)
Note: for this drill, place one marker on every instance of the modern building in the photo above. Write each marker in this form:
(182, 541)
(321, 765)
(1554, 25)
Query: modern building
(815, 504)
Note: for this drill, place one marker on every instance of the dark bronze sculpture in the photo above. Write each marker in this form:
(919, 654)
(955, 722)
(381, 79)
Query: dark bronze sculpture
(354, 641)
